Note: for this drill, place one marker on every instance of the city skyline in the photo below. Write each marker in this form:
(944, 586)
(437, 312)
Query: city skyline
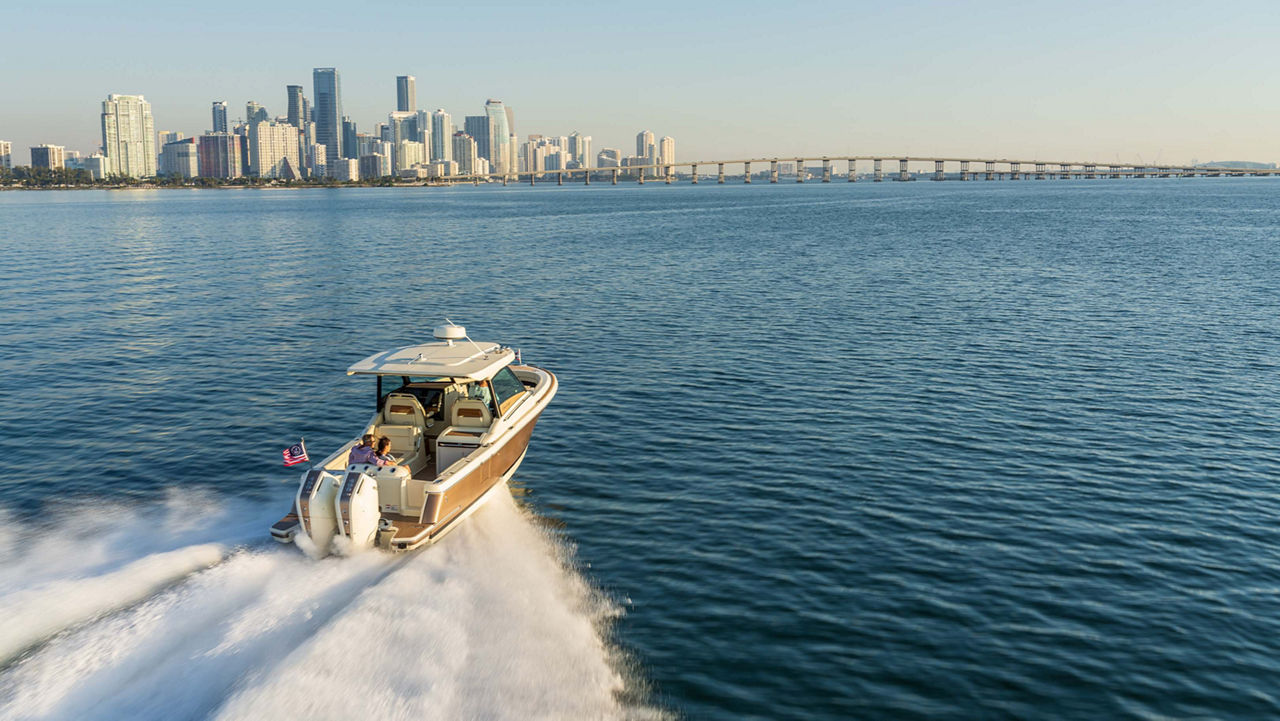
(1093, 81)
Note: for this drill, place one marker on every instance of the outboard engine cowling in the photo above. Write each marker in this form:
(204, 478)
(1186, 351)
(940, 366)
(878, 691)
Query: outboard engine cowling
(315, 508)
(357, 510)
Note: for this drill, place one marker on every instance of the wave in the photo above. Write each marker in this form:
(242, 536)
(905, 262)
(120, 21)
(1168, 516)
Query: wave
(489, 623)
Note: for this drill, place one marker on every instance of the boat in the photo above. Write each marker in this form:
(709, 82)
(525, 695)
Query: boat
(459, 415)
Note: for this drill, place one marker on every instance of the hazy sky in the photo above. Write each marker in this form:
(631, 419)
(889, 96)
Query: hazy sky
(1150, 81)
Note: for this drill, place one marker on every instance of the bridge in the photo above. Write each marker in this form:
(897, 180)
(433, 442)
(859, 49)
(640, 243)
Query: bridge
(968, 169)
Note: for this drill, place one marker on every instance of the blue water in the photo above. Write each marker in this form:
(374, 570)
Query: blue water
(900, 450)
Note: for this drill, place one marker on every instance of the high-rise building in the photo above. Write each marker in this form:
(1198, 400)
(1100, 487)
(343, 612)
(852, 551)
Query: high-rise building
(479, 128)
(609, 158)
(48, 156)
(423, 125)
(401, 126)
(219, 116)
(579, 147)
(297, 105)
(128, 136)
(667, 151)
(644, 145)
(408, 154)
(6, 154)
(350, 145)
(328, 112)
(348, 169)
(255, 113)
(502, 152)
(375, 165)
(218, 156)
(180, 158)
(169, 136)
(96, 166)
(406, 94)
(273, 151)
(315, 161)
(441, 135)
(464, 152)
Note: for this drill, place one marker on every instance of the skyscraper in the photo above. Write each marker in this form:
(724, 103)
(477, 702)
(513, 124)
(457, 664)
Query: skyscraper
(48, 156)
(328, 97)
(644, 145)
(464, 152)
(180, 158)
(406, 93)
(667, 151)
(479, 128)
(219, 116)
(128, 136)
(502, 144)
(297, 105)
(218, 156)
(6, 154)
(350, 143)
(274, 151)
(609, 158)
(579, 149)
(254, 113)
(441, 135)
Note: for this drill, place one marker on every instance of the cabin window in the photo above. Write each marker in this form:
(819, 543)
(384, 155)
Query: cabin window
(506, 386)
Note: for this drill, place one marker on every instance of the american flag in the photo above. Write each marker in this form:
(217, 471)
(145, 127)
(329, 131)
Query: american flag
(295, 454)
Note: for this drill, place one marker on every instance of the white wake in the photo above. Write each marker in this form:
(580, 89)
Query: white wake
(487, 624)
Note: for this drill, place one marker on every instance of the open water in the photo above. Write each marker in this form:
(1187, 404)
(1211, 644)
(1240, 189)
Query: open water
(906, 450)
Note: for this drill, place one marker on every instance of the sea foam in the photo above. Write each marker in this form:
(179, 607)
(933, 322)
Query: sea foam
(489, 623)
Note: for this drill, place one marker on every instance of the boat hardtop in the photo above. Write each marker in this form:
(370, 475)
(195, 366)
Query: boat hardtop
(458, 415)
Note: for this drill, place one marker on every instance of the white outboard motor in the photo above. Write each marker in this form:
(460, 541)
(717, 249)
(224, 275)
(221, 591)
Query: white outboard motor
(357, 510)
(315, 506)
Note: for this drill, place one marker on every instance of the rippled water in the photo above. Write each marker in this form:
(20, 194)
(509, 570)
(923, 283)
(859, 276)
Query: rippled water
(875, 450)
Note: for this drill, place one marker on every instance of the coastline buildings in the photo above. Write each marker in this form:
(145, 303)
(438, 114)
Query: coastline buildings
(464, 153)
(273, 151)
(480, 130)
(219, 156)
(502, 149)
(96, 166)
(441, 135)
(48, 156)
(609, 158)
(128, 136)
(667, 151)
(219, 116)
(328, 112)
(180, 158)
(579, 149)
(298, 109)
(6, 154)
(406, 94)
(255, 113)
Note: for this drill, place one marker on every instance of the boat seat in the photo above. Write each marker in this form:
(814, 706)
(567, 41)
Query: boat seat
(402, 409)
(406, 442)
(470, 412)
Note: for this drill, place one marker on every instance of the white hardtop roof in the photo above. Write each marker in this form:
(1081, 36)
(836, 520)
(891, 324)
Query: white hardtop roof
(459, 359)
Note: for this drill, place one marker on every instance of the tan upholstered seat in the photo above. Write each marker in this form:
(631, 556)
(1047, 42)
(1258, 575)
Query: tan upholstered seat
(402, 409)
(470, 412)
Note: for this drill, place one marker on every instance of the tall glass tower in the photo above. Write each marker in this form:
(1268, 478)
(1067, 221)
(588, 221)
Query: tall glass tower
(406, 94)
(328, 111)
(297, 105)
(441, 135)
(501, 155)
(220, 116)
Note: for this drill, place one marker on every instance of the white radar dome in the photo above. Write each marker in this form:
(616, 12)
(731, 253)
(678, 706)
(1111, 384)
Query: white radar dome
(450, 332)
